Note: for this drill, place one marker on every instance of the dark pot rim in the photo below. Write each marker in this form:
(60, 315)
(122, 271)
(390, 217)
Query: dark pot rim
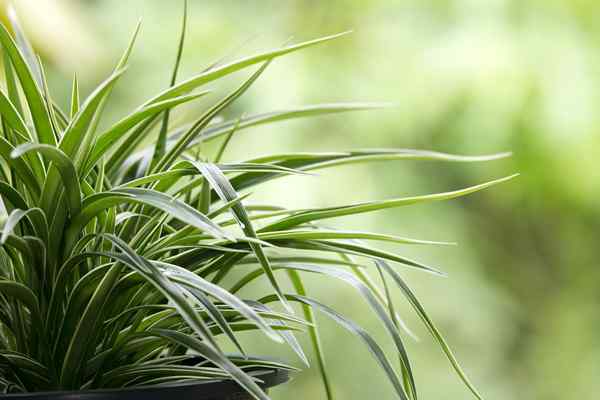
(209, 389)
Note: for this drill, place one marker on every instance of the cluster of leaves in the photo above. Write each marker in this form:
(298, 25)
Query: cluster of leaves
(114, 257)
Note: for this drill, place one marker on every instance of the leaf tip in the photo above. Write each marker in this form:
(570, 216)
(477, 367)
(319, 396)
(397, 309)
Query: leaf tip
(16, 153)
(510, 177)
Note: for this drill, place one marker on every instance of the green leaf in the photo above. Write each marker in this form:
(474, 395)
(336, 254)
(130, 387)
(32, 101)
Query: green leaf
(367, 294)
(50, 105)
(12, 116)
(20, 167)
(78, 134)
(169, 178)
(414, 302)
(312, 110)
(38, 220)
(186, 278)
(326, 160)
(243, 379)
(355, 329)
(287, 336)
(225, 143)
(127, 53)
(318, 234)
(24, 45)
(183, 142)
(96, 203)
(315, 161)
(74, 97)
(35, 101)
(229, 127)
(225, 191)
(75, 354)
(356, 249)
(313, 332)
(21, 293)
(86, 327)
(412, 394)
(11, 83)
(68, 174)
(12, 195)
(332, 212)
(223, 70)
(161, 142)
(111, 136)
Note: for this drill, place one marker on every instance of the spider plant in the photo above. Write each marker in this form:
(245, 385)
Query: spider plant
(121, 261)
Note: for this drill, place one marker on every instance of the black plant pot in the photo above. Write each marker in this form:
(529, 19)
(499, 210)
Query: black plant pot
(206, 390)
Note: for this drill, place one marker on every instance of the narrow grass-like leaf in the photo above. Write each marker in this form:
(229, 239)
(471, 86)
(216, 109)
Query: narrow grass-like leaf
(316, 161)
(355, 329)
(312, 110)
(414, 302)
(366, 293)
(223, 70)
(35, 214)
(225, 191)
(184, 277)
(318, 234)
(225, 143)
(229, 127)
(13, 196)
(24, 45)
(331, 212)
(78, 131)
(35, 101)
(313, 332)
(20, 292)
(356, 249)
(96, 203)
(20, 167)
(76, 349)
(183, 142)
(161, 142)
(201, 348)
(74, 97)
(11, 83)
(12, 116)
(108, 138)
(50, 105)
(68, 174)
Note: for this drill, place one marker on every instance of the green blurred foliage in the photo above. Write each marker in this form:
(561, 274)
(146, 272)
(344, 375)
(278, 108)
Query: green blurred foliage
(468, 76)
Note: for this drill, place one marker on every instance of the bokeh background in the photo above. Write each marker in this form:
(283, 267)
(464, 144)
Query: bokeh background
(521, 304)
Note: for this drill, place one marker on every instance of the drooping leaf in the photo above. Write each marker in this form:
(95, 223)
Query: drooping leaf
(225, 191)
(414, 302)
(351, 326)
(201, 348)
(98, 202)
(68, 173)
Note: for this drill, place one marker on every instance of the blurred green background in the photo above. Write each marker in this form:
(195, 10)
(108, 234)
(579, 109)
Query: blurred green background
(521, 305)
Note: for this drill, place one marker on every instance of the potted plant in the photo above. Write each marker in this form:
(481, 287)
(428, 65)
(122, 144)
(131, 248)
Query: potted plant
(117, 256)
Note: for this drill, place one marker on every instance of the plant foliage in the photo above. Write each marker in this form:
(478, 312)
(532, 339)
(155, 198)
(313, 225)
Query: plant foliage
(120, 263)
